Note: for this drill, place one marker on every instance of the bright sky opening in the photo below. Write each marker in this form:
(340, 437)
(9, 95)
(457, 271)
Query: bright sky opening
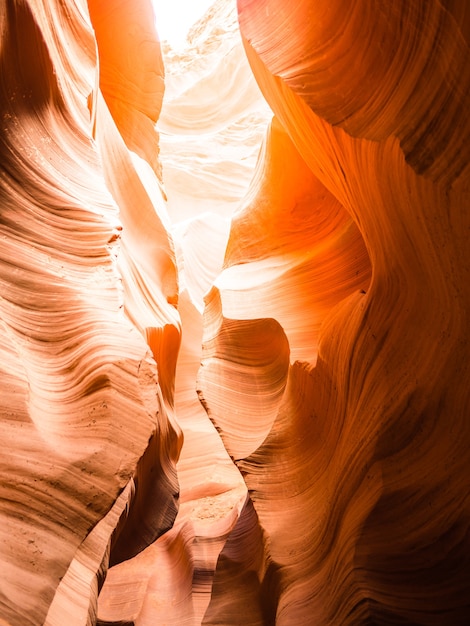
(174, 18)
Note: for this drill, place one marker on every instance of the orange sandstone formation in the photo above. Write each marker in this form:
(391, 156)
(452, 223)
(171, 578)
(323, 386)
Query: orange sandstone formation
(319, 312)
(211, 488)
(361, 486)
(146, 260)
(80, 398)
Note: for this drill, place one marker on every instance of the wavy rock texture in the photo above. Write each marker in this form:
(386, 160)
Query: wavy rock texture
(80, 395)
(318, 308)
(360, 487)
(212, 120)
(146, 262)
(209, 141)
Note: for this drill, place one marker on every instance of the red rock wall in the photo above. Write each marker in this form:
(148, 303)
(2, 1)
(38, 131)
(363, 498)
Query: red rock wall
(334, 340)
(80, 398)
(361, 486)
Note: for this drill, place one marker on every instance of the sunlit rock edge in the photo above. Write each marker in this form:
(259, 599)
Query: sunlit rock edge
(335, 333)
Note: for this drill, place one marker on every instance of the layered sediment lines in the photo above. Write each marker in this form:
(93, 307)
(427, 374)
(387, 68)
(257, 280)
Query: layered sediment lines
(208, 151)
(80, 397)
(360, 487)
(300, 314)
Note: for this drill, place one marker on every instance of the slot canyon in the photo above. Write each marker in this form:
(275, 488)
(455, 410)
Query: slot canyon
(234, 309)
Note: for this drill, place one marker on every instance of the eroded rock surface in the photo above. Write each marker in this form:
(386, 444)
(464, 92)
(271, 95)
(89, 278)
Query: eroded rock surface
(305, 333)
(361, 486)
(80, 393)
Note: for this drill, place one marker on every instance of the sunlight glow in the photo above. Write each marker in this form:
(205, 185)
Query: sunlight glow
(174, 18)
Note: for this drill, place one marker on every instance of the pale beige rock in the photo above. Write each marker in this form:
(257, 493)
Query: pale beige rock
(327, 299)
(80, 397)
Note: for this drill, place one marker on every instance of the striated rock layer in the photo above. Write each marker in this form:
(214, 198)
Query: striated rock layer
(360, 484)
(208, 152)
(80, 398)
(307, 331)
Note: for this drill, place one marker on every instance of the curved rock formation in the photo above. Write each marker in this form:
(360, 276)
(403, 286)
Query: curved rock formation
(361, 486)
(319, 312)
(211, 488)
(80, 397)
(212, 119)
(125, 134)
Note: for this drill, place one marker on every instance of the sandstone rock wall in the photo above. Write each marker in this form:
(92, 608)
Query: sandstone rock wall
(320, 314)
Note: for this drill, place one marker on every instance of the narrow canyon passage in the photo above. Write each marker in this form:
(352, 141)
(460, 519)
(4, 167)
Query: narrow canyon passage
(211, 127)
(234, 295)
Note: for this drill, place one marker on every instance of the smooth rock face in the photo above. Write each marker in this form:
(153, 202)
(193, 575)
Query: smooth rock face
(306, 332)
(361, 486)
(80, 398)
